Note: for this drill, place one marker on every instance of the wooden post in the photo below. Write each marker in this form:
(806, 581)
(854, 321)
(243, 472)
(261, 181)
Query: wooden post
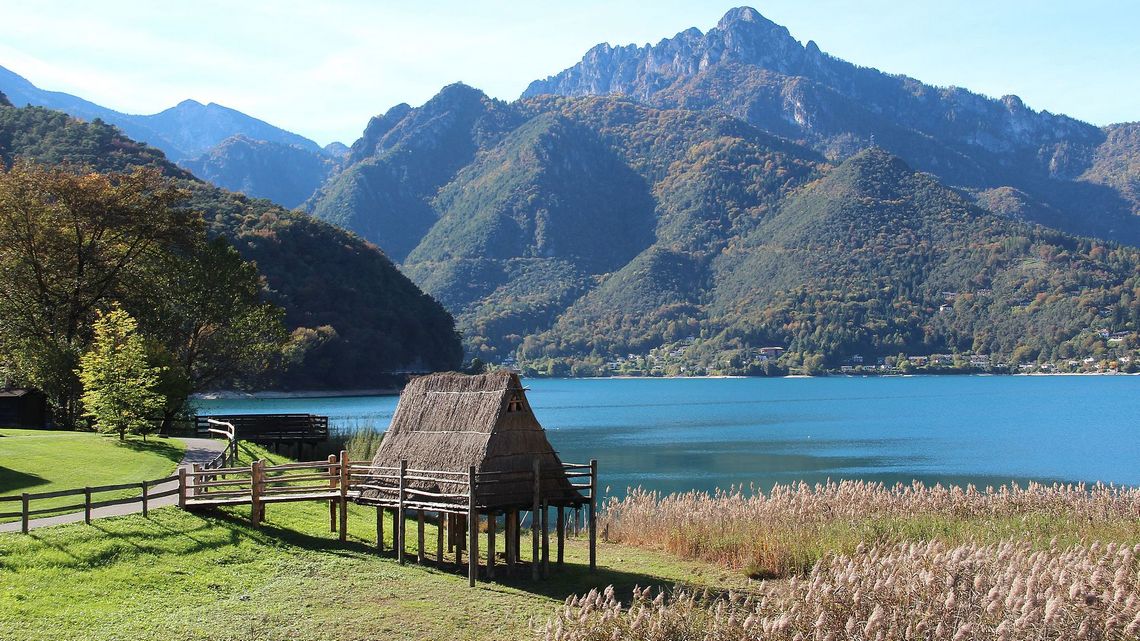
(561, 534)
(509, 538)
(490, 545)
(332, 485)
(442, 518)
(194, 479)
(379, 529)
(146, 497)
(255, 492)
(460, 524)
(400, 511)
(518, 536)
(545, 521)
(181, 489)
(24, 512)
(534, 521)
(420, 552)
(593, 514)
(87, 504)
(472, 529)
(395, 531)
(343, 496)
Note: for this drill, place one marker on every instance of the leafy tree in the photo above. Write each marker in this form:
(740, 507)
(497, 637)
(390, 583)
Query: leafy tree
(120, 389)
(69, 244)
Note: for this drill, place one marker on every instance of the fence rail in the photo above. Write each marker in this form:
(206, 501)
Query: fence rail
(27, 499)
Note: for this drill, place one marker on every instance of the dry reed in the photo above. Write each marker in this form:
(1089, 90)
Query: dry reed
(786, 531)
(1007, 592)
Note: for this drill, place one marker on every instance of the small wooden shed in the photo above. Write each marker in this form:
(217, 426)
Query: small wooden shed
(463, 446)
(22, 408)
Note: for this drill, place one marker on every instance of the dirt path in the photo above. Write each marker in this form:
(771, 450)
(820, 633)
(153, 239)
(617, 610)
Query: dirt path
(198, 450)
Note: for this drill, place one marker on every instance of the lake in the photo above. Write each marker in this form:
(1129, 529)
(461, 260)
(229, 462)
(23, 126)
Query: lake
(683, 434)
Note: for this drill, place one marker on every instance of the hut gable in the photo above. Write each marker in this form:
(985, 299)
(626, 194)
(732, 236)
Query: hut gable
(450, 422)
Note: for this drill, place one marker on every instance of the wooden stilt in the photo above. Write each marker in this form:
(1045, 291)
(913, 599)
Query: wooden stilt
(472, 529)
(379, 529)
(593, 514)
(534, 521)
(510, 545)
(343, 496)
(332, 484)
(400, 512)
(561, 534)
(460, 527)
(420, 552)
(545, 539)
(490, 546)
(440, 520)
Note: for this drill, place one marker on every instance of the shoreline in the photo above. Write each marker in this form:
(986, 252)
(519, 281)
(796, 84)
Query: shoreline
(226, 395)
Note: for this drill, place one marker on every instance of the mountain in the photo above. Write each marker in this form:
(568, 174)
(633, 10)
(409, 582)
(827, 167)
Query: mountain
(356, 316)
(183, 131)
(570, 231)
(285, 174)
(752, 68)
(225, 146)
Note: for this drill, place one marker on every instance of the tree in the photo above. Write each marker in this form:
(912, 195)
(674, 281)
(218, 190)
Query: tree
(120, 389)
(70, 243)
(204, 308)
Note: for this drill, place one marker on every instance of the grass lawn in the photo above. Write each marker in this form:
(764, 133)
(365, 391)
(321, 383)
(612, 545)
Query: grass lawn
(45, 461)
(209, 575)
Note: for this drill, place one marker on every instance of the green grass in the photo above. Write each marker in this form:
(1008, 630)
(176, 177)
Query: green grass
(209, 575)
(45, 461)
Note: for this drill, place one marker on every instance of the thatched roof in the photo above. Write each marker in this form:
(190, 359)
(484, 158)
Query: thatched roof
(452, 421)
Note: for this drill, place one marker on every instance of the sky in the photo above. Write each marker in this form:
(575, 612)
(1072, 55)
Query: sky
(322, 69)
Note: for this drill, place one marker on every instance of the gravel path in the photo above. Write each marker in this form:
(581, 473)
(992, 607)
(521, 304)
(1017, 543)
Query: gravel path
(198, 450)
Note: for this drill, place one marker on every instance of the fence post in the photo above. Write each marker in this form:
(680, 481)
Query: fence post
(400, 511)
(593, 514)
(379, 529)
(87, 505)
(145, 497)
(420, 554)
(181, 488)
(332, 485)
(194, 479)
(343, 496)
(534, 521)
(255, 492)
(472, 529)
(24, 513)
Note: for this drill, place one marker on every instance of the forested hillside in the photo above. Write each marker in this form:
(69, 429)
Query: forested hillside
(354, 317)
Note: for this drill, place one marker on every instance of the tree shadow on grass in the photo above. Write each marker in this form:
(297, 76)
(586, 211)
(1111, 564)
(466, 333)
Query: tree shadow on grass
(165, 449)
(11, 480)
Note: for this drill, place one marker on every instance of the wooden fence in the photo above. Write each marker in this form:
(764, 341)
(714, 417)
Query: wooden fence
(146, 494)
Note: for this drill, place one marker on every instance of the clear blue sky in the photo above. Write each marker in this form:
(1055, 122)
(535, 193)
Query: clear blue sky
(322, 69)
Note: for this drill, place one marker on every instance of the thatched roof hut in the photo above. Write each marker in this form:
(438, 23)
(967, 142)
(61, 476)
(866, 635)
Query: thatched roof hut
(449, 422)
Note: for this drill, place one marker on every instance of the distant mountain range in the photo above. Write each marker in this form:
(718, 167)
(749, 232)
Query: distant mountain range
(723, 191)
(208, 138)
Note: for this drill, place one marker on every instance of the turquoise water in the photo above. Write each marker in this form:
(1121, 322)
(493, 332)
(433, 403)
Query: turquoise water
(682, 434)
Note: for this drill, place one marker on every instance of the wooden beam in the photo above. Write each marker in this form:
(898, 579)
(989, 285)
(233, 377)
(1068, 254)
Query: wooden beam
(332, 486)
(379, 529)
(440, 520)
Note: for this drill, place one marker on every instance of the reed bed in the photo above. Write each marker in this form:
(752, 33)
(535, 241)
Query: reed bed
(786, 531)
(1007, 591)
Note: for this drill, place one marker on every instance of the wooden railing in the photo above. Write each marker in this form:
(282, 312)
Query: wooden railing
(146, 489)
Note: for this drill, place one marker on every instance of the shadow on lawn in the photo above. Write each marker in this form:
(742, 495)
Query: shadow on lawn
(165, 449)
(11, 480)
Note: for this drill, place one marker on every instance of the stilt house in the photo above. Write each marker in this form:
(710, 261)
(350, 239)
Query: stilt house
(467, 446)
